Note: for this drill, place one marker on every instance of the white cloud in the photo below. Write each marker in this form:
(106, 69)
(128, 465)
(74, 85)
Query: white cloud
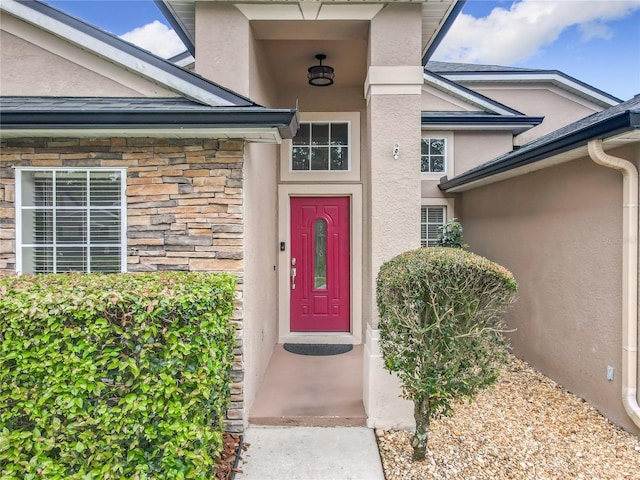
(593, 30)
(507, 36)
(157, 38)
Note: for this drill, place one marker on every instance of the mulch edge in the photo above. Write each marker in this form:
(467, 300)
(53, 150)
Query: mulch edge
(227, 462)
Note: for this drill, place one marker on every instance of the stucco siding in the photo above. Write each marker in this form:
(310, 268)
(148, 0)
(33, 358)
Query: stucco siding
(558, 231)
(437, 101)
(395, 35)
(558, 107)
(261, 281)
(473, 148)
(223, 43)
(37, 63)
(261, 85)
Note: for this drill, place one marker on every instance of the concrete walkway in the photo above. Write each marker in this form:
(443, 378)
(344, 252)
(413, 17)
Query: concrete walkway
(310, 453)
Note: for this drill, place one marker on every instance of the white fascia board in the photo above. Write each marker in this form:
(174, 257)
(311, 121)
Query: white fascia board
(266, 135)
(531, 77)
(112, 54)
(464, 94)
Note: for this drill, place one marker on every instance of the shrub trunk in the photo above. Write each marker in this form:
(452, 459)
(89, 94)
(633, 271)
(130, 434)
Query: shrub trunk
(422, 416)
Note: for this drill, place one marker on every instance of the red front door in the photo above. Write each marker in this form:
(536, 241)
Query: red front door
(320, 264)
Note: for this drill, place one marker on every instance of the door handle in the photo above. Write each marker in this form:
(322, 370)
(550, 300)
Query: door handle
(293, 278)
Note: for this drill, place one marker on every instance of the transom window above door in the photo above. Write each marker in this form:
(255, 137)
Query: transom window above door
(321, 146)
(433, 155)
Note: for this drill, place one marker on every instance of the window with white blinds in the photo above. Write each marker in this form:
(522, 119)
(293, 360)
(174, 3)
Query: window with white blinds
(432, 218)
(71, 220)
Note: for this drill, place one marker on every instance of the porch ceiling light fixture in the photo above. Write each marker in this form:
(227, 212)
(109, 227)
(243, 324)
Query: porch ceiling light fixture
(320, 75)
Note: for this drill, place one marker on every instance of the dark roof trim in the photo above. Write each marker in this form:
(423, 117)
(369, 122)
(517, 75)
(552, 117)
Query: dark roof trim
(516, 123)
(176, 25)
(624, 121)
(437, 117)
(180, 56)
(528, 72)
(137, 52)
(286, 121)
(455, 11)
(468, 93)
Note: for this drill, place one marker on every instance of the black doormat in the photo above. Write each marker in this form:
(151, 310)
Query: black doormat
(319, 349)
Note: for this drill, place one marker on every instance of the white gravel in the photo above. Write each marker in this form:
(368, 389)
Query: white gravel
(526, 427)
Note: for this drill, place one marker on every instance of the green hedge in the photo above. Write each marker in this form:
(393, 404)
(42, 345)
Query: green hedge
(114, 376)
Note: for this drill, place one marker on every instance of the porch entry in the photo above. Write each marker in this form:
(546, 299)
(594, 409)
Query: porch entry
(320, 279)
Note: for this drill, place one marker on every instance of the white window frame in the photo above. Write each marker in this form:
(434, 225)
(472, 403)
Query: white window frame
(448, 157)
(352, 174)
(19, 207)
(447, 203)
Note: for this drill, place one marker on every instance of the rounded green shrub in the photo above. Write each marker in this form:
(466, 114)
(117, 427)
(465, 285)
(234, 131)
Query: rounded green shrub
(441, 327)
(114, 376)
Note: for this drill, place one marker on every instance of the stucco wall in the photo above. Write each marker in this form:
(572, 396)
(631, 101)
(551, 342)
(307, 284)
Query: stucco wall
(261, 282)
(223, 42)
(38, 63)
(470, 149)
(474, 148)
(558, 107)
(558, 230)
(438, 101)
(394, 225)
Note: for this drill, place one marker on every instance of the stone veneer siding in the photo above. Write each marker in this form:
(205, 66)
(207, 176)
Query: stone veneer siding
(184, 208)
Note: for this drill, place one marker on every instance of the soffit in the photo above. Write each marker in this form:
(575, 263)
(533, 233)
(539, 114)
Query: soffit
(289, 60)
(434, 12)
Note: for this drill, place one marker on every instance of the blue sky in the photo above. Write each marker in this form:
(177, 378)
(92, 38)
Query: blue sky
(596, 41)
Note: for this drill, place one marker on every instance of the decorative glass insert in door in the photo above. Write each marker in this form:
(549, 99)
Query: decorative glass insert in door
(320, 254)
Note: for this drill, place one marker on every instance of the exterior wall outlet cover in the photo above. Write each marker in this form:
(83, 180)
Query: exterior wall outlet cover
(610, 373)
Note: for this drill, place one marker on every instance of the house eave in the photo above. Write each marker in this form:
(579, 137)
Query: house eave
(181, 15)
(514, 124)
(552, 152)
(251, 135)
(232, 123)
(453, 13)
(449, 87)
(555, 77)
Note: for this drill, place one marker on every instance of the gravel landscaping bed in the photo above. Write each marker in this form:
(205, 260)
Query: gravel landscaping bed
(526, 427)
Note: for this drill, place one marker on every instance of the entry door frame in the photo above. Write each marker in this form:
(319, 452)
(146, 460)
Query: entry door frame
(285, 192)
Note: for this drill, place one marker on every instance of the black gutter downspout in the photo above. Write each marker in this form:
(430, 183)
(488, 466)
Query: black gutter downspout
(455, 11)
